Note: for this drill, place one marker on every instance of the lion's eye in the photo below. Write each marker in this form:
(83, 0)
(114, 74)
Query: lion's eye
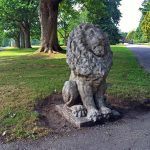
(92, 32)
(90, 35)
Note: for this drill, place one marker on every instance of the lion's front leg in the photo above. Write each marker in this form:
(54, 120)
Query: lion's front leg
(72, 100)
(86, 94)
(100, 100)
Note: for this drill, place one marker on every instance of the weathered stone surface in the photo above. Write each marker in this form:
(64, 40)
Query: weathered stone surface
(68, 115)
(115, 115)
(90, 59)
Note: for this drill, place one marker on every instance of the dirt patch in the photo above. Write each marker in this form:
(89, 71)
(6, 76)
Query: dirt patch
(127, 105)
(50, 118)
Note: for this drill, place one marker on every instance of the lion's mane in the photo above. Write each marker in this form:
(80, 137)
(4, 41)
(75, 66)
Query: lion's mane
(80, 57)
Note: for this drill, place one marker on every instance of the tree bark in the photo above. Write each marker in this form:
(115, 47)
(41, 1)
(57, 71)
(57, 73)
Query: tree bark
(17, 41)
(48, 19)
(27, 39)
(25, 27)
(22, 40)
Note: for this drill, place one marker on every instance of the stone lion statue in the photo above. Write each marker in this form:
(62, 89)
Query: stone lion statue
(90, 59)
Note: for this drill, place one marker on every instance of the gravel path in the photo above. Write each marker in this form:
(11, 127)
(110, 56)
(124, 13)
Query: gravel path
(142, 53)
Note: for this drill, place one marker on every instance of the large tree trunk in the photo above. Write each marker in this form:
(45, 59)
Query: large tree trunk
(48, 19)
(25, 27)
(22, 40)
(27, 39)
(17, 41)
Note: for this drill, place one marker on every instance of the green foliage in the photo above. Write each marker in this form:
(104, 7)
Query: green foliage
(110, 28)
(130, 35)
(6, 42)
(139, 36)
(145, 25)
(1, 36)
(15, 13)
(145, 7)
(67, 20)
(142, 33)
(136, 36)
(96, 10)
(123, 37)
(106, 14)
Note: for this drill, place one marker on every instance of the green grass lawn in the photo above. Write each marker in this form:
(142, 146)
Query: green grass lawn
(129, 81)
(26, 77)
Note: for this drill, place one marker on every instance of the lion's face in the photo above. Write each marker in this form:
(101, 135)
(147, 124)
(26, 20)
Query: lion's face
(96, 41)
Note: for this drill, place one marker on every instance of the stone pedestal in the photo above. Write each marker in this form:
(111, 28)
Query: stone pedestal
(77, 122)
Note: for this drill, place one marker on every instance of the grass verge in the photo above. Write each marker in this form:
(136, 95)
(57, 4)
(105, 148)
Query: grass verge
(26, 77)
(129, 81)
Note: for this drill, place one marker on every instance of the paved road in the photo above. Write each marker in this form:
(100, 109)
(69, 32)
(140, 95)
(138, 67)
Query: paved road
(130, 133)
(143, 55)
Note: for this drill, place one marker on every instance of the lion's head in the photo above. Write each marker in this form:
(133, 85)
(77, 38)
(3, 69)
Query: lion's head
(88, 51)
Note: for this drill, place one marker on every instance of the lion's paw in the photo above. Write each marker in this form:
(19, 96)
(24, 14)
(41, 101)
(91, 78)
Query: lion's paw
(93, 115)
(105, 112)
(78, 111)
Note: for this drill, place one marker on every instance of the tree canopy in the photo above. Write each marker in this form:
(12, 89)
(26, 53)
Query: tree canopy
(19, 16)
(142, 33)
(145, 25)
(106, 14)
(19, 19)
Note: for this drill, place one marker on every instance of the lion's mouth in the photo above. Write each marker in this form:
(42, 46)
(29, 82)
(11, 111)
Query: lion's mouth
(98, 50)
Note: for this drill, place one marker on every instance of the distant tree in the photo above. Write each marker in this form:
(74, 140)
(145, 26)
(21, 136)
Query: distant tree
(124, 34)
(139, 36)
(68, 18)
(130, 36)
(14, 34)
(1, 36)
(19, 15)
(142, 33)
(145, 7)
(123, 37)
(145, 25)
(110, 22)
(106, 14)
